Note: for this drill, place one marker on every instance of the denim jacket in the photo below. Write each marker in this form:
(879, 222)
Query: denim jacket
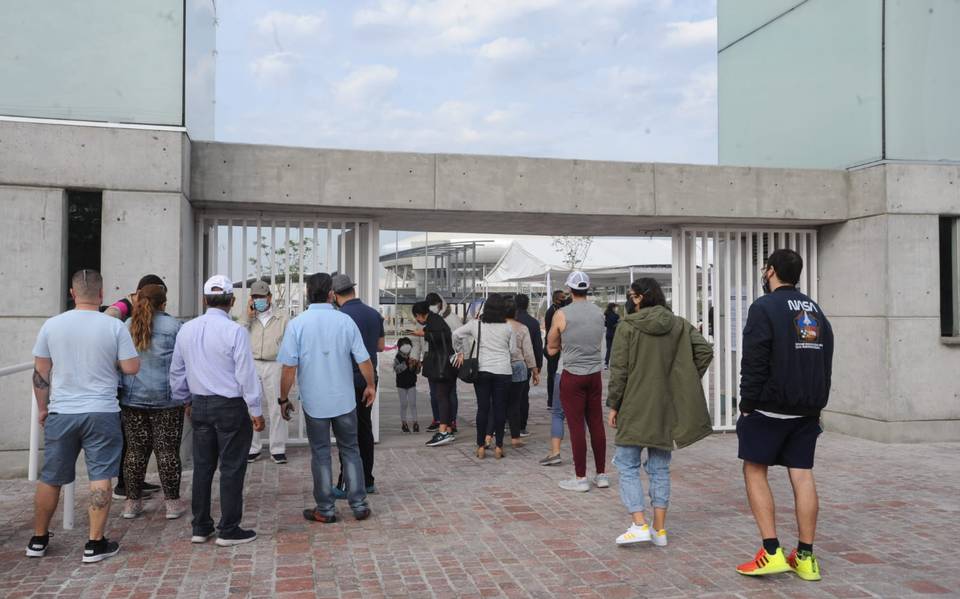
(150, 387)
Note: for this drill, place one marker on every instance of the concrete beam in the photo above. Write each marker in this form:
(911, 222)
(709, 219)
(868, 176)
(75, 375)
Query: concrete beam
(463, 188)
(70, 156)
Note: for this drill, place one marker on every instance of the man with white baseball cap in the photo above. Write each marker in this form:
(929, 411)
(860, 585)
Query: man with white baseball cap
(212, 372)
(577, 334)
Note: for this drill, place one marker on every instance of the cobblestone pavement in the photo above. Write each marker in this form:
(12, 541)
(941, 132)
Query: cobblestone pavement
(448, 525)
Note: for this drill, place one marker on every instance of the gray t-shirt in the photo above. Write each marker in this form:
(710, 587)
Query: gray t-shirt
(582, 338)
(85, 346)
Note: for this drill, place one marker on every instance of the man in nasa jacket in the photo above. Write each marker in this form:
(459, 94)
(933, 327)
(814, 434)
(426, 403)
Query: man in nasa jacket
(784, 383)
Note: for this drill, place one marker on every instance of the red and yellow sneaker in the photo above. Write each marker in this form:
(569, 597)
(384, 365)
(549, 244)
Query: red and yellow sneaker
(764, 563)
(805, 566)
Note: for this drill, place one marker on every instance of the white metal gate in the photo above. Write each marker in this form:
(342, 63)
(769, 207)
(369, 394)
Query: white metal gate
(716, 276)
(283, 249)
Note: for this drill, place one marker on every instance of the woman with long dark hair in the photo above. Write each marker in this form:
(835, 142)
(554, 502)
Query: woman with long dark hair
(151, 419)
(656, 403)
(497, 342)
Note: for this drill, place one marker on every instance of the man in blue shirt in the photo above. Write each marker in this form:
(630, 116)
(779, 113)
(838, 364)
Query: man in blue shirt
(370, 324)
(319, 350)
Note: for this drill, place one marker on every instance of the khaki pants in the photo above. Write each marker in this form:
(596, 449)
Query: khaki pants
(269, 373)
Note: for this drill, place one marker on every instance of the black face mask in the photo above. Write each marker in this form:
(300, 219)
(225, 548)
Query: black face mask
(631, 307)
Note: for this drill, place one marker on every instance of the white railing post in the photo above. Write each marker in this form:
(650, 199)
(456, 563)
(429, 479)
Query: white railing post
(33, 464)
(69, 497)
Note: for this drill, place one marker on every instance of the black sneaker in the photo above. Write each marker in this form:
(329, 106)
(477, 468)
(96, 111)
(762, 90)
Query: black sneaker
(434, 427)
(119, 493)
(441, 439)
(453, 427)
(203, 537)
(97, 551)
(314, 515)
(404, 428)
(37, 547)
(524, 433)
(416, 427)
(237, 537)
(362, 513)
(253, 457)
(279, 458)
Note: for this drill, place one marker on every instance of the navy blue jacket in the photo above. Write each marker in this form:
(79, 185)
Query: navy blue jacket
(787, 355)
(536, 337)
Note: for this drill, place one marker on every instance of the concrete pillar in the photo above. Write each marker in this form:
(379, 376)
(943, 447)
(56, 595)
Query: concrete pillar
(880, 285)
(149, 233)
(32, 246)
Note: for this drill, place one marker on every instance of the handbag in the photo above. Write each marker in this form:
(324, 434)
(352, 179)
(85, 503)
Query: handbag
(469, 371)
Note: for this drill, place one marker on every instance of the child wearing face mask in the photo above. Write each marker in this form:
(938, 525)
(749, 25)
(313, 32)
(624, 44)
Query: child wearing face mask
(405, 368)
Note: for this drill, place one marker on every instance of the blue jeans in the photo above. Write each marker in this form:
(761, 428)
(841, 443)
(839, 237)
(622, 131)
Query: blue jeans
(318, 433)
(627, 459)
(556, 411)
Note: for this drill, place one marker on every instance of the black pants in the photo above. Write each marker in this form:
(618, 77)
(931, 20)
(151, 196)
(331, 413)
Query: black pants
(515, 407)
(552, 363)
(493, 391)
(525, 403)
(441, 390)
(609, 347)
(364, 440)
(222, 432)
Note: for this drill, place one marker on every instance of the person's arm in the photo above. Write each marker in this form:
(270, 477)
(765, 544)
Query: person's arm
(702, 350)
(553, 337)
(288, 376)
(827, 331)
(370, 393)
(461, 335)
(755, 361)
(42, 368)
(127, 357)
(382, 341)
(246, 375)
(288, 356)
(179, 390)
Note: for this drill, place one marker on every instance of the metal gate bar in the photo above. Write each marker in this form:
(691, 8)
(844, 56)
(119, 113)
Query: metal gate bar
(715, 278)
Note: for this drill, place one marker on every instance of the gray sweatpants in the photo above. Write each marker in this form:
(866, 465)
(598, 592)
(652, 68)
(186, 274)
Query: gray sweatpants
(408, 402)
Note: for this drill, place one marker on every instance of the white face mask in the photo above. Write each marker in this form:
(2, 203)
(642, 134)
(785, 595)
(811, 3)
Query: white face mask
(404, 350)
(435, 309)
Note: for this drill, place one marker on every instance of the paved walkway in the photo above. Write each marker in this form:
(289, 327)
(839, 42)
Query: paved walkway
(448, 525)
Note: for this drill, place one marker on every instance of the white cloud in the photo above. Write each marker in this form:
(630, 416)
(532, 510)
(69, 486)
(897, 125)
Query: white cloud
(698, 96)
(684, 34)
(275, 67)
(366, 85)
(506, 49)
(623, 82)
(284, 24)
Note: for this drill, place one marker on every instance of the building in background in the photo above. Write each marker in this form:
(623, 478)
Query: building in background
(870, 86)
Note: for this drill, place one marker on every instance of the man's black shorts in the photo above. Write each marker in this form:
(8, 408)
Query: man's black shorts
(789, 442)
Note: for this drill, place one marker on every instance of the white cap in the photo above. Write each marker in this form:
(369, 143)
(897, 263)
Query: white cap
(578, 280)
(219, 281)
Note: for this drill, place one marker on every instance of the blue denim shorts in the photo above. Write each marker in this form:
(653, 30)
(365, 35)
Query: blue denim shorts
(98, 434)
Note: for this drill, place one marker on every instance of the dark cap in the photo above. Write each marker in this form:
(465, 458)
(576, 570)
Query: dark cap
(341, 284)
(150, 280)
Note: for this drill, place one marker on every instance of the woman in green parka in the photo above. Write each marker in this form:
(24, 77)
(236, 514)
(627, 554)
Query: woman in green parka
(656, 402)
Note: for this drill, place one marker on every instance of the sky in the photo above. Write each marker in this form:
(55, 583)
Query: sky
(630, 80)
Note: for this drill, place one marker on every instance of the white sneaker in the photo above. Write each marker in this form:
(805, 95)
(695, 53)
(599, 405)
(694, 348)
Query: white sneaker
(575, 484)
(659, 538)
(635, 534)
(132, 508)
(175, 508)
(602, 481)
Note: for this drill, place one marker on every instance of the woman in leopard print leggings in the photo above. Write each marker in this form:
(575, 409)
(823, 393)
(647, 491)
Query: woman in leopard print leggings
(152, 421)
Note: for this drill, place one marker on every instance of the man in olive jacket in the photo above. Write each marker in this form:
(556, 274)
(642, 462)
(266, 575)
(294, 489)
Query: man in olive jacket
(656, 402)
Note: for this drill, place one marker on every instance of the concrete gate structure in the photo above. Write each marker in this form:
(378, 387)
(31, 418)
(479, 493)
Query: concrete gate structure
(877, 276)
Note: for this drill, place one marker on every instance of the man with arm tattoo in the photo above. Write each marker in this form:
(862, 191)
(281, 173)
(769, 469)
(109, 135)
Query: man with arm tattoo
(77, 405)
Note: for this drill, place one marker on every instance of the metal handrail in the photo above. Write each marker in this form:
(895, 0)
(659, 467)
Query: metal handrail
(33, 464)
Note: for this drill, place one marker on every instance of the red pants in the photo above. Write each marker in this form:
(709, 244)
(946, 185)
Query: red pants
(582, 399)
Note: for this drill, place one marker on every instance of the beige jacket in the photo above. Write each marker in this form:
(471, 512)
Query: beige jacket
(265, 340)
(524, 350)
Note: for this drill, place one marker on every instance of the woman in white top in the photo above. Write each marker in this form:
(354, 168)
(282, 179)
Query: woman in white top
(497, 344)
(524, 364)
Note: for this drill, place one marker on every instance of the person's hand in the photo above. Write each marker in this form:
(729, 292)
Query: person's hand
(188, 412)
(536, 378)
(369, 395)
(417, 333)
(287, 409)
(258, 423)
(250, 311)
(42, 415)
(458, 360)
(612, 418)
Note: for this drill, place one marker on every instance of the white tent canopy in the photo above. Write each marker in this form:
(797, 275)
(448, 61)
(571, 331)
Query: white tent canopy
(608, 261)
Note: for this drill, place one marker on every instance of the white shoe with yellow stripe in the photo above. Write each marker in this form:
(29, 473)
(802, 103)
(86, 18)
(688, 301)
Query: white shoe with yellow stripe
(635, 534)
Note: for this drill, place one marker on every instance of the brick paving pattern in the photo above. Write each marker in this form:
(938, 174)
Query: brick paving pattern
(448, 525)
